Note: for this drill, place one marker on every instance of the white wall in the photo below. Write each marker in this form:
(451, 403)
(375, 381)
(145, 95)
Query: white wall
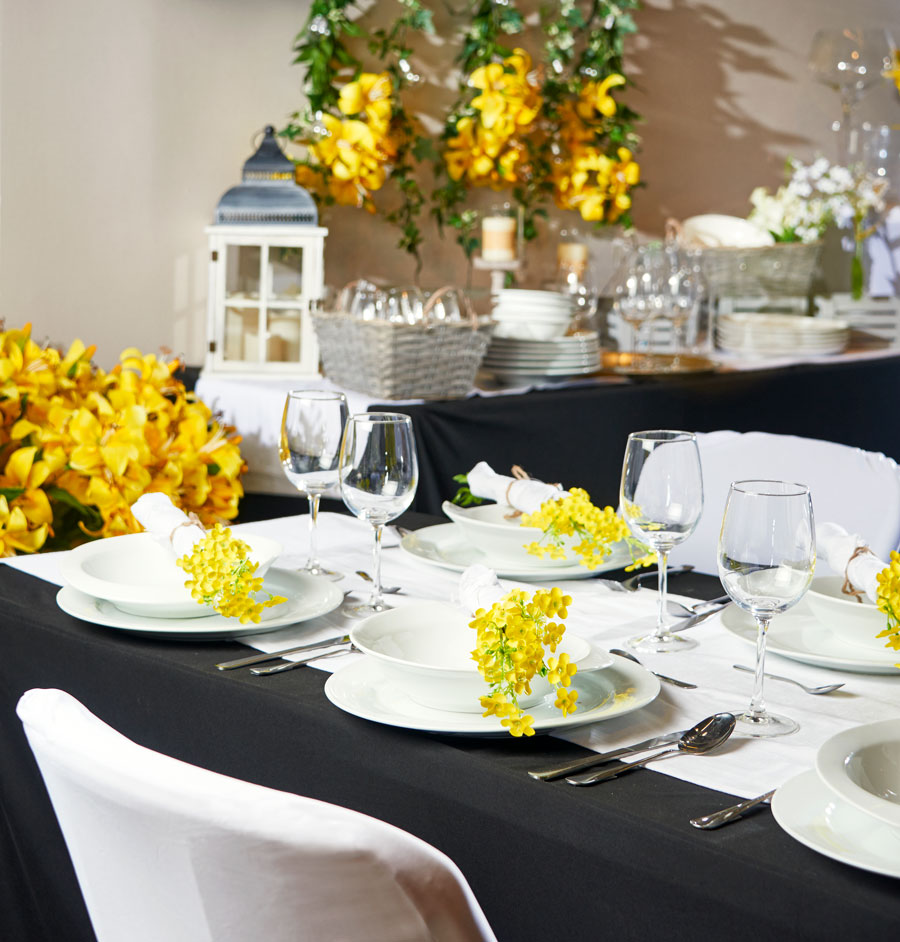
(123, 121)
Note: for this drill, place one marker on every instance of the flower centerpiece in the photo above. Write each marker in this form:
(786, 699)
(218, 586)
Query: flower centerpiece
(512, 642)
(816, 196)
(79, 445)
(888, 601)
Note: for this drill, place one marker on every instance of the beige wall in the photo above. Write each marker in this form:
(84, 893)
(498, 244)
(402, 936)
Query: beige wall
(123, 121)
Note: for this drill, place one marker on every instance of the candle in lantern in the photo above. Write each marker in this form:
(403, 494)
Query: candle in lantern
(498, 238)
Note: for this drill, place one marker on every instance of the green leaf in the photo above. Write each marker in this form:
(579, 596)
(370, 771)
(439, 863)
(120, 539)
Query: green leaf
(11, 493)
(212, 469)
(92, 517)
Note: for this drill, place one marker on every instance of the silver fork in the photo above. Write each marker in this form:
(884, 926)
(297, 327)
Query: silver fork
(385, 589)
(715, 820)
(815, 691)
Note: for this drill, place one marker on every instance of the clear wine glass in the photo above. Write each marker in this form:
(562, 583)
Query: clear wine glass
(851, 61)
(662, 499)
(767, 555)
(378, 473)
(309, 447)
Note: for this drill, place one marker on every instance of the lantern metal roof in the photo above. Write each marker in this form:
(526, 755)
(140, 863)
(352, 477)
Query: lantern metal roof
(268, 193)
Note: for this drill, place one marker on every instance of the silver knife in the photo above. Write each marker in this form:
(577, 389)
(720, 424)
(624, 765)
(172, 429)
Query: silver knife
(291, 665)
(685, 623)
(601, 757)
(297, 649)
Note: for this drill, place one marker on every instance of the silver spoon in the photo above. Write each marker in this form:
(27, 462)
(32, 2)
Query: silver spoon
(668, 680)
(385, 589)
(633, 583)
(815, 691)
(706, 735)
(684, 611)
(715, 820)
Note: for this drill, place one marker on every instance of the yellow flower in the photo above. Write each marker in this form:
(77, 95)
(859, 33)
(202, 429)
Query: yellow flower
(16, 534)
(369, 95)
(565, 701)
(595, 97)
(888, 595)
(490, 102)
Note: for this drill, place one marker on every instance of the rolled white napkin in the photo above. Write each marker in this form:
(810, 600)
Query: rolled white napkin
(479, 587)
(169, 525)
(714, 230)
(837, 546)
(524, 495)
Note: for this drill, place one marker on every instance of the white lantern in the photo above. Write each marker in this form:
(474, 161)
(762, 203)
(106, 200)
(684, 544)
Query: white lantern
(265, 272)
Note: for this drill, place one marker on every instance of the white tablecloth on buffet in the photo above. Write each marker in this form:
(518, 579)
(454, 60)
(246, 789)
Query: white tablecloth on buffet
(607, 618)
(254, 405)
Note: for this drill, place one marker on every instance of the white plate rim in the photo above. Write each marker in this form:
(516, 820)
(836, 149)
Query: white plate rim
(210, 627)
(830, 760)
(623, 674)
(797, 807)
(851, 662)
(526, 574)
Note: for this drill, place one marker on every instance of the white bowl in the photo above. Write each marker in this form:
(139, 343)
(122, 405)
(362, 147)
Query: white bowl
(427, 647)
(857, 623)
(139, 576)
(862, 765)
(502, 540)
(527, 295)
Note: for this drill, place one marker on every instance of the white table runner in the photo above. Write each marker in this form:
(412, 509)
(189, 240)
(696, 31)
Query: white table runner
(743, 767)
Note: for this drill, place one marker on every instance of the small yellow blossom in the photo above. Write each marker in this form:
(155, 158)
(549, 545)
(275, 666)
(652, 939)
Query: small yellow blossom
(888, 596)
(573, 515)
(223, 577)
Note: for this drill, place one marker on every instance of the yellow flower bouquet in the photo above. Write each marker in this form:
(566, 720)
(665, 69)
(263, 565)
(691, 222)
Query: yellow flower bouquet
(79, 445)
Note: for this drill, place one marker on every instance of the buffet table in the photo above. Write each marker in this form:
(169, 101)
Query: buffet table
(543, 858)
(583, 427)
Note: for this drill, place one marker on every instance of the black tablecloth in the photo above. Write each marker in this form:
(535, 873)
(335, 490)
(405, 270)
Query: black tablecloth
(546, 860)
(578, 434)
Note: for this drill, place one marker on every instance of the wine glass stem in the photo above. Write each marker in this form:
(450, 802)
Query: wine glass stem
(377, 601)
(757, 704)
(662, 557)
(312, 563)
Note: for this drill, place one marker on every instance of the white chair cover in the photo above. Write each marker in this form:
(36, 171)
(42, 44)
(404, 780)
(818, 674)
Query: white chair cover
(164, 850)
(858, 489)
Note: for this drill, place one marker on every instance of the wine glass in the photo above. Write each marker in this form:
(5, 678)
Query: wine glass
(767, 555)
(309, 447)
(662, 499)
(378, 473)
(850, 61)
(638, 296)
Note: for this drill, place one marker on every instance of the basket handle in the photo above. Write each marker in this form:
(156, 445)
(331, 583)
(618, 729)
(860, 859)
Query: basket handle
(467, 304)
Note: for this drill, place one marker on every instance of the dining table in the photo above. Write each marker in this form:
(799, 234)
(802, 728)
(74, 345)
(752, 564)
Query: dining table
(544, 858)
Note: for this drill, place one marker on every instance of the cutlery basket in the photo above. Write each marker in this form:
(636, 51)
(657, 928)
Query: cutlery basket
(427, 360)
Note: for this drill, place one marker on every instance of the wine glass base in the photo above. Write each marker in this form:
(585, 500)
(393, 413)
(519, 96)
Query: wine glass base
(758, 726)
(661, 644)
(322, 572)
(364, 609)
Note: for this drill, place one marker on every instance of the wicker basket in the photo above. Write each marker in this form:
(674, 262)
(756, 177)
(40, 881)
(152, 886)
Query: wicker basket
(781, 270)
(402, 361)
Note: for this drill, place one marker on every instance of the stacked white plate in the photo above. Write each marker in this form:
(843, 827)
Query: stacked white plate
(532, 315)
(780, 334)
(132, 583)
(559, 358)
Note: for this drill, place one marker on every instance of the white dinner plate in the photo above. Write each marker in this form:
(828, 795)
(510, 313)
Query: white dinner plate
(307, 597)
(445, 545)
(366, 690)
(814, 815)
(797, 635)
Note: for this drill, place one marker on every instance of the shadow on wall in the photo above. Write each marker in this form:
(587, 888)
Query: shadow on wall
(703, 151)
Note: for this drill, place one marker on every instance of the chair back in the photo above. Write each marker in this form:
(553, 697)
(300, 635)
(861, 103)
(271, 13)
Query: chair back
(165, 850)
(858, 489)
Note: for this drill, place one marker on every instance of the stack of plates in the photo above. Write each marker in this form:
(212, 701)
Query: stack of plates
(132, 583)
(512, 359)
(780, 334)
(532, 315)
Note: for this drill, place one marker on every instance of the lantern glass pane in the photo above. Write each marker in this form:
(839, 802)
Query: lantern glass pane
(284, 335)
(285, 273)
(242, 270)
(241, 334)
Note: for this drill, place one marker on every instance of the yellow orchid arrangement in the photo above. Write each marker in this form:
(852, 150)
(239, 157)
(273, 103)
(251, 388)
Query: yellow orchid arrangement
(573, 515)
(223, 577)
(512, 638)
(889, 601)
(79, 445)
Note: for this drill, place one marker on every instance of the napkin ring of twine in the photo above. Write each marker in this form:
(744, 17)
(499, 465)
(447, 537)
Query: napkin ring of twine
(519, 474)
(192, 521)
(848, 588)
